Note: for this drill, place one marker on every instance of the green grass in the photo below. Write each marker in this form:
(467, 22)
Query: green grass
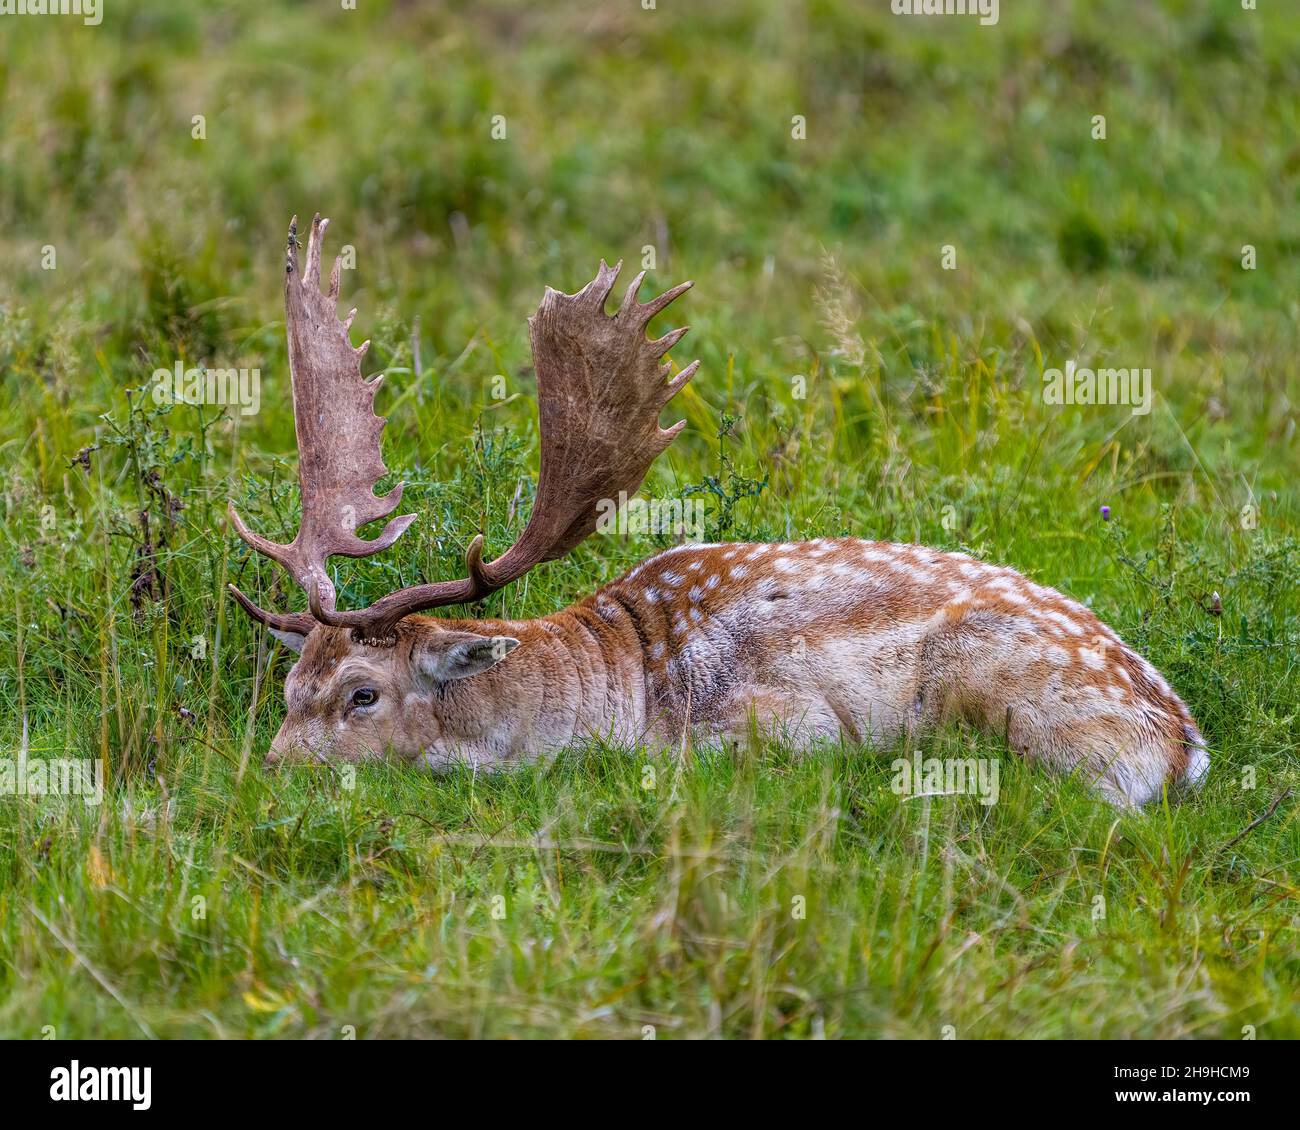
(204, 897)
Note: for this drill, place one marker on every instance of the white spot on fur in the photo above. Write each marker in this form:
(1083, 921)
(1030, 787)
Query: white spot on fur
(1062, 621)
(692, 547)
(1090, 658)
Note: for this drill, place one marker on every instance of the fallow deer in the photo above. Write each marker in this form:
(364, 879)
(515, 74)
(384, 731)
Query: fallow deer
(829, 639)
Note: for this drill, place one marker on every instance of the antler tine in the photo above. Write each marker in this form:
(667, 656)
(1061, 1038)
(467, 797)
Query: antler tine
(629, 297)
(338, 434)
(596, 292)
(642, 312)
(299, 623)
(600, 388)
(673, 387)
(648, 310)
(311, 276)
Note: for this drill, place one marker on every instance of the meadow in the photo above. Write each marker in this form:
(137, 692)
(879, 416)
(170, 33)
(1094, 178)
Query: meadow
(895, 226)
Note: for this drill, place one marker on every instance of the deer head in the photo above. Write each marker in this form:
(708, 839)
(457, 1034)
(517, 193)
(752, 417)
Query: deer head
(370, 680)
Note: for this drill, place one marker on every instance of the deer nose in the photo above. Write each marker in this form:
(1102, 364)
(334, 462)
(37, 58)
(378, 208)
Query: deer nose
(282, 749)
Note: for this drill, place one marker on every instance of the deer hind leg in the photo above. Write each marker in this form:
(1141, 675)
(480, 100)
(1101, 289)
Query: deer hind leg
(1085, 705)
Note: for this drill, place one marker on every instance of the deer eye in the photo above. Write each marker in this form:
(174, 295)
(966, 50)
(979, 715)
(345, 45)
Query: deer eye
(365, 696)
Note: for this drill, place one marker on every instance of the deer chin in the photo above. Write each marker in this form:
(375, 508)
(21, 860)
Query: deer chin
(441, 758)
(337, 754)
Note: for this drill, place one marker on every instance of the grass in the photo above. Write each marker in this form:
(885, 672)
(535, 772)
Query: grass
(755, 894)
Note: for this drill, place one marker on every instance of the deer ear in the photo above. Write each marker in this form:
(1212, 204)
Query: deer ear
(457, 655)
(292, 640)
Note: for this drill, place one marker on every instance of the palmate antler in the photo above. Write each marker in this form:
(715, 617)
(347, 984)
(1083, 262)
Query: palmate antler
(600, 387)
(338, 440)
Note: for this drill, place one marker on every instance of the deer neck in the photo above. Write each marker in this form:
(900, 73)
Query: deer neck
(595, 675)
(578, 675)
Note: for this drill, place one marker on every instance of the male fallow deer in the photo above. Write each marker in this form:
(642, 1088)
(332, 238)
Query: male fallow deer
(825, 639)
